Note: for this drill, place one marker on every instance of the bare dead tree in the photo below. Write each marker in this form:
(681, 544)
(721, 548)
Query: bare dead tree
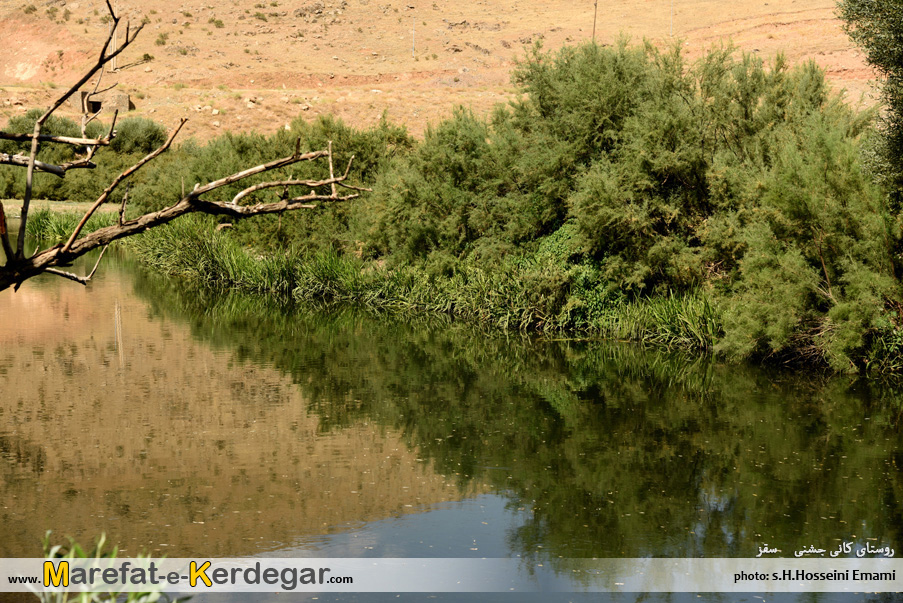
(19, 268)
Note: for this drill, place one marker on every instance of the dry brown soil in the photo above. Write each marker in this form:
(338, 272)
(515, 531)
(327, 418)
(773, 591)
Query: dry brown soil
(245, 65)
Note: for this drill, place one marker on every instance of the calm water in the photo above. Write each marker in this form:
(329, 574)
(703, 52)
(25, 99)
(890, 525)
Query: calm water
(188, 424)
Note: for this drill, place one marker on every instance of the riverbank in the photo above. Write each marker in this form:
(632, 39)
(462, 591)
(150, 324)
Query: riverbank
(192, 250)
(722, 206)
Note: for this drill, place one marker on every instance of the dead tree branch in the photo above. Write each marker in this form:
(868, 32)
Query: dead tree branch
(56, 170)
(60, 139)
(14, 273)
(19, 268)
(104, 57)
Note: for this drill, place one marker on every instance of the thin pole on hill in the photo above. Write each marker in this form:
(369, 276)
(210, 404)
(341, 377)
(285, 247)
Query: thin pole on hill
(595, 12)
(413, 36)
(115, 45)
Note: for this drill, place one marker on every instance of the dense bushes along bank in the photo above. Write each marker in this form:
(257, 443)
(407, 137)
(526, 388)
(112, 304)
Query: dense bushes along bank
(721, 204)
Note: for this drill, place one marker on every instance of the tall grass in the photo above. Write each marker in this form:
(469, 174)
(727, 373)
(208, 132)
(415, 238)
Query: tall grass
(191, 249)
(55, 227)
(688, 321)
(495, 299)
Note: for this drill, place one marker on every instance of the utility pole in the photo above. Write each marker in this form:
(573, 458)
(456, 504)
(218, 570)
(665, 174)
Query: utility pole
(595, 12)
(115, 46)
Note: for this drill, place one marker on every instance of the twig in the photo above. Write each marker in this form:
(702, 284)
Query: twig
(283, 183)
(97, 263)
(125, 199)
(67, 275)
(331, 174)
(56, 170)
(59, 255)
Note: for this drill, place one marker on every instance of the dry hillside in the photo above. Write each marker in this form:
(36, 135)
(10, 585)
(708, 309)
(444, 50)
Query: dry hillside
(245, 65)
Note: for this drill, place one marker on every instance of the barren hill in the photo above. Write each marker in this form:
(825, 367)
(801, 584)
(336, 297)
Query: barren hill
(244, 65)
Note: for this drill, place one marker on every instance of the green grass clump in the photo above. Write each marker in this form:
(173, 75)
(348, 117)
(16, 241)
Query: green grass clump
(56, 227)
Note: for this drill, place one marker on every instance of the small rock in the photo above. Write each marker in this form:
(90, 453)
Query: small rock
(215, 112)
(216, 124)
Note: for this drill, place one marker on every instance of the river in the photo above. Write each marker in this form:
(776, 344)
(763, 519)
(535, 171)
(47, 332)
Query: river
(186, 423)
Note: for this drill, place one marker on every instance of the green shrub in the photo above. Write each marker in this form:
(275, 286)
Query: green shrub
(138, 135)
(721, 203)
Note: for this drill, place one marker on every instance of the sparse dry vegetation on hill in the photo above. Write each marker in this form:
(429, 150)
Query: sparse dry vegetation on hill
(357, 59)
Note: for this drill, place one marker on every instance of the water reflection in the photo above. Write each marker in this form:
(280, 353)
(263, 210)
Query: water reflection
(224, 426)
(115, 420)
(618, 451)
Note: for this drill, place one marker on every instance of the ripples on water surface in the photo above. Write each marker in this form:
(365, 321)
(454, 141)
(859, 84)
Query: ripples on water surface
(189, 424)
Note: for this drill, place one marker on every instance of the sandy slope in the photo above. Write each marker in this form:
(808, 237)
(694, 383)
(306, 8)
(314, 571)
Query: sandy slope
(414, 60)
